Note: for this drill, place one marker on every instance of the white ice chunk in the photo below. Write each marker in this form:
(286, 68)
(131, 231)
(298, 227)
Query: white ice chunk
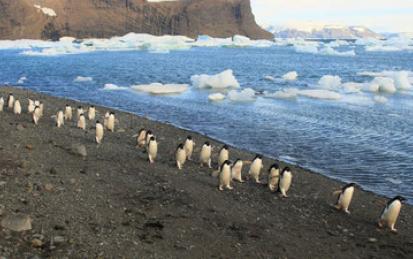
(269, 78)
(246, 95)
(225, 79)
(216, 97)
(22, 80)
(290, 76)
(329, 82)
(83, 79)
(386, 84)
(289, 93)
(113, 87)
(158, 88)
(320, 94)
(380, 99)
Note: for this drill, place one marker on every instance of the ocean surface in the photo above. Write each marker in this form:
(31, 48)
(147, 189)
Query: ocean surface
(354, 132)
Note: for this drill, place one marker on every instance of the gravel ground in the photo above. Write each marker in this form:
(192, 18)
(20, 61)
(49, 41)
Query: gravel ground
(112, 203)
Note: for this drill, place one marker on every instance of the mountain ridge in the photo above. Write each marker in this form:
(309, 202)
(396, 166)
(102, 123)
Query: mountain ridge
(51, 19)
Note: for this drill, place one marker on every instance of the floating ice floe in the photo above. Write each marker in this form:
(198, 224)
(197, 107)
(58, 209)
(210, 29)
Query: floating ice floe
(291, 93)
(225, 79)
(269, 78)
(22, 80)
(83, 79)
(402, 79)
(329, 82)
(113, 87)
(245, 95)
(302, 46)
(290, 76)
(158, 88)
(216, 97)
(398, 43)
(380, 99)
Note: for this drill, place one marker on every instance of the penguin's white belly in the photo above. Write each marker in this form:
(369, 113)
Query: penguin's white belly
(181, 156)
(236, 172)
(225, 176)
(189, 148)
(205, 155)
(285, 182)
(153, 149)
(255, 168)
(391, 214)
(345, 198)
(99, 133)
(273, 179)
(223, 156)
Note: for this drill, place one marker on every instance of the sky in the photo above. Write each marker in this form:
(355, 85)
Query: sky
(379, 15)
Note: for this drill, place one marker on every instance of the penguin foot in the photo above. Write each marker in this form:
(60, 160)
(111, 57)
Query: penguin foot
(230, 187)
(347, 212)
(220, 188)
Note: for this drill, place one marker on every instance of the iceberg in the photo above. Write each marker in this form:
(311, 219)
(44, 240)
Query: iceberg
(245, 95)
(225, 79)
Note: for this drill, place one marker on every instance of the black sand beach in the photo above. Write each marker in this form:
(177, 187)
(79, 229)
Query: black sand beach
(113, 204)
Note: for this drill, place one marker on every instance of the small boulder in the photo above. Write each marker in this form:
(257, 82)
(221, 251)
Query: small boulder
(18, 222)
(79, 150)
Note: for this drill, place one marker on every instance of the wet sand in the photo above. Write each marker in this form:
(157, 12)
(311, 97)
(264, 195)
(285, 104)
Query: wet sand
(114, 204)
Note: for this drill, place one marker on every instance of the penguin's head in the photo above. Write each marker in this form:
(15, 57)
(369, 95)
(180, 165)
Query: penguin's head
(225, 147)
(227, 162)
(149, 132)
(400, 198)
(181, 146)
(258, 156)
(152, 138)
(92, 106)
(79, 107)
(237, 161)
(274, 166)
(112, 113)
(10, 94)
(207, 143)
(189, 138)
(287, 169)
(67, 105)
(81, 115)
(97, 122)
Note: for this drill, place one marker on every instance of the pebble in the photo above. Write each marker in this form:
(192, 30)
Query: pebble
(373, 240)
(37, 243)
(24, 164)
(19, 127)
(58, 240)
(18, 222)
(48, 187)
(80, 150)
(29, 147)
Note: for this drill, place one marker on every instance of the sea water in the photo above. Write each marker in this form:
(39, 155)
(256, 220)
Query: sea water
(359, 133)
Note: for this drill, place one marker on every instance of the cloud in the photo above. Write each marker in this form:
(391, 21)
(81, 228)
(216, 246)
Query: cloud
(382, 15)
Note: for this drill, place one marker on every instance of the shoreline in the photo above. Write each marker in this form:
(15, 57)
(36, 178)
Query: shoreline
(248, 221)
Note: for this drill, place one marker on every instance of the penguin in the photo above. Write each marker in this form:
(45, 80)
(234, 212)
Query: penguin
(391, 212)
(205, 156)
(180, 156)
(273, 177)
(105, 120)
(91, 113)
(111, 122)
(60, 120)
(140, 138)
(30, 106)
(68, 112)
(189, 147)
(236, 171)
(344, 198)
(99, 132)
(255, 168)
(17, 109)
(41, 107)
(225, 176)
(10, 101)
(223, 155)
(284, 183)
(81, 123)
(152, 149)
(148, 136)
(36, 103)
(1, 104)
(79, 111)
(36, 115)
